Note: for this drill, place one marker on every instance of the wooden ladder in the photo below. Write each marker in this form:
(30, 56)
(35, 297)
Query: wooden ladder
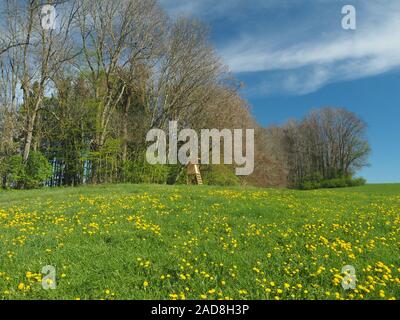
(199, 179)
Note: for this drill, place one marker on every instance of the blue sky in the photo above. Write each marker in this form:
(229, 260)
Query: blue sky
(294, 56)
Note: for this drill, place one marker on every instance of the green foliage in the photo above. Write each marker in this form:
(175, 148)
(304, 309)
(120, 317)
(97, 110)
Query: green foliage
(331, 183)
(308, 185)
(105, 161)
(37, 171)
(140, 171)
(177, 175)
(358, 182)
(220, 175)
(12, 171)
(31, 175)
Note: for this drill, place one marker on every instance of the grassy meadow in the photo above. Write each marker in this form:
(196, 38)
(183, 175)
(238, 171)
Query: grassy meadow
(162, 242)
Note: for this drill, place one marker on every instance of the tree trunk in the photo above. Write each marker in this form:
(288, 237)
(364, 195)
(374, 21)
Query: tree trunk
(31, 127)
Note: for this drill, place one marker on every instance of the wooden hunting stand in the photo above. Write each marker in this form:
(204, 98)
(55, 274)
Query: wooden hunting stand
(194, 170)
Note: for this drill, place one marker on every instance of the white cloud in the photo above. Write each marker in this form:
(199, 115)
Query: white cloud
(308, 65)
(215, 8)
(305, 55)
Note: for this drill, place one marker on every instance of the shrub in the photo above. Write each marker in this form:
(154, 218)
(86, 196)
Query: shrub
(37, 171)
(358, 182)
(309, 185)
(140, 171)
(177, 175)
(220, 175)
(33, 174)
(332, 183)
(12, 171)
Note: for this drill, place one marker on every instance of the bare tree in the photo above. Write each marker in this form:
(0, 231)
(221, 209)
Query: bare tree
(329, 143)
(40, 53)
(187, 69)
(116, 35)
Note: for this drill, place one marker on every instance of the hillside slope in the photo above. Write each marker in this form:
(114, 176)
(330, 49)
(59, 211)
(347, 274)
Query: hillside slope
(159, 242)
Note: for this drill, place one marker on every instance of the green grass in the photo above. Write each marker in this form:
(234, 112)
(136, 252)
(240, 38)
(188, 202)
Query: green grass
(159, 242)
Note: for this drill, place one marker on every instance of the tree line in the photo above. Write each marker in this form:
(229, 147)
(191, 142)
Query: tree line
(326, 149)
(76, 102)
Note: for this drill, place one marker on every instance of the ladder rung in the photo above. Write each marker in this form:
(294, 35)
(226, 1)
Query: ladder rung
(199, 179)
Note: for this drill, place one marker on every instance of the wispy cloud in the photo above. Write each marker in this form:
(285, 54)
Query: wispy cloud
(216, 8)
(305, 54)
